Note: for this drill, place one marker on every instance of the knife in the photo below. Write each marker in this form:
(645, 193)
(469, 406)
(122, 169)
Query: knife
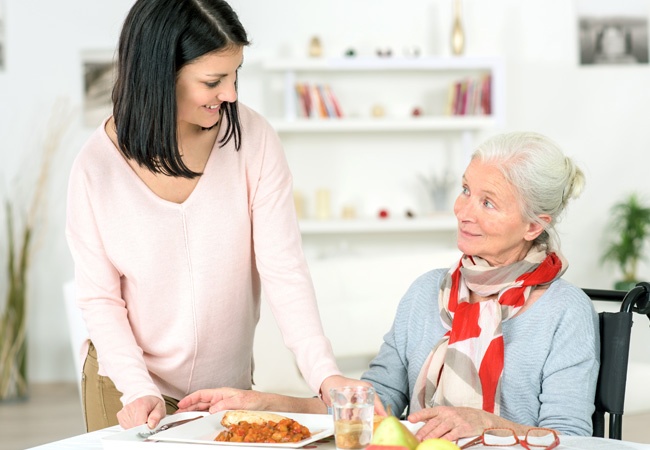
(167, 426)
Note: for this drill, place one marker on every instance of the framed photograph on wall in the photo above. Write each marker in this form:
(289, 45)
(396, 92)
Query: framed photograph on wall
(2, 36)
(99, 76)
(613, 32)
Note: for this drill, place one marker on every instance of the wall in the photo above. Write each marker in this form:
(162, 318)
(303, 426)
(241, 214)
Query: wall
(597, 114)
(43, 42)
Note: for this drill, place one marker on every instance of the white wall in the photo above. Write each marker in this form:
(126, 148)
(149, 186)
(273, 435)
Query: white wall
(598, 114)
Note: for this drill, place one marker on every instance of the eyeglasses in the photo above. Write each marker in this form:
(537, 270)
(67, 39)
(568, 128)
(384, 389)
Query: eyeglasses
(504, 437)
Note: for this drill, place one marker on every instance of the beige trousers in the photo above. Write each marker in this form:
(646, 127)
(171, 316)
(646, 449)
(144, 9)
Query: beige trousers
(100, 397)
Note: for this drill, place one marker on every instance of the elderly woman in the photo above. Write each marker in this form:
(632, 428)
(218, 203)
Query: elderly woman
(498, 339)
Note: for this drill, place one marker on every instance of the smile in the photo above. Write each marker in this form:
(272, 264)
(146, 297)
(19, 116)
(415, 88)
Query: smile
(466, 233)
(212, 106)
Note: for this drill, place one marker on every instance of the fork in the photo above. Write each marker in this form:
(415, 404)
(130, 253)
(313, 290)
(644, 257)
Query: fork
(167, 426)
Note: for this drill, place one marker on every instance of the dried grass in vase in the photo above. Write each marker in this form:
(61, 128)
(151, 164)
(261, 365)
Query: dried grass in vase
(22, 225)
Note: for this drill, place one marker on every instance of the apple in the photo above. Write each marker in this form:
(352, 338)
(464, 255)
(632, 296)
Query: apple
(437, 444)
(392, 432)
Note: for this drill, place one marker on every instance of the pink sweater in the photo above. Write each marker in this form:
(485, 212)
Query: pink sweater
(171, 292)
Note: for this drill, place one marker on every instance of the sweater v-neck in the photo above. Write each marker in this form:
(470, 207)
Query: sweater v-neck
(144, 187)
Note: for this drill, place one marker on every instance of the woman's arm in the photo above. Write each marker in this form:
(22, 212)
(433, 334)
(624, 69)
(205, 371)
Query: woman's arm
(220, 399)
(388, 374)
(279, 258)
(97, 281)
(570, 371)
(407, 344)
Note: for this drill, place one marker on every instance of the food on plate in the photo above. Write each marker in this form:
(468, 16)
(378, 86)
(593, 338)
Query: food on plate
(391, 431)
(259, 417)
(261, 427)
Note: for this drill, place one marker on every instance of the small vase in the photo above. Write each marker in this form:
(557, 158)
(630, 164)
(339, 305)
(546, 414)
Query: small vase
(315, 47)
(457, 33)
(439, 198)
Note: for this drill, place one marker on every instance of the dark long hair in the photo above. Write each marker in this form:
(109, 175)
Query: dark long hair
(158, 38)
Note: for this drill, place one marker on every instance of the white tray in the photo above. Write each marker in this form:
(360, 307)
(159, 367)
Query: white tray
(120, 439)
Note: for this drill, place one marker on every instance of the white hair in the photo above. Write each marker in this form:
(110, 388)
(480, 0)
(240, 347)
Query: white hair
(544, 178)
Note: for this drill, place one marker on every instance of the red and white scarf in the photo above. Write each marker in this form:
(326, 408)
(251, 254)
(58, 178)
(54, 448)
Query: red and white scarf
(464, 368)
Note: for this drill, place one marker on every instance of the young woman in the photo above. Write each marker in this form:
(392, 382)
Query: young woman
(180, 211)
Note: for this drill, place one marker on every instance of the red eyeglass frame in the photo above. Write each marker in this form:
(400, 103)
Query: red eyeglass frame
(524, 443)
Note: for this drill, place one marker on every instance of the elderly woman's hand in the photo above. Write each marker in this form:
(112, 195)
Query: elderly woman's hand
(451, 423)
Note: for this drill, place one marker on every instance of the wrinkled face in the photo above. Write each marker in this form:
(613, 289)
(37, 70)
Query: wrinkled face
(204, 84)
(490, 224)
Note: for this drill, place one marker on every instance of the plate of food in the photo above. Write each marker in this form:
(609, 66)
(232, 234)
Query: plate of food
(252, 429)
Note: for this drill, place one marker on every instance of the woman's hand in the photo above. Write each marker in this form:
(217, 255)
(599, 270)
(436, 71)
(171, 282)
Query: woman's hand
(451, 423)
(339, 381)
(220, 399)
(149, 409)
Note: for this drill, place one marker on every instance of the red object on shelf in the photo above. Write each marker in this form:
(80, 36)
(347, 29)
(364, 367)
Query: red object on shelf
(383, 213)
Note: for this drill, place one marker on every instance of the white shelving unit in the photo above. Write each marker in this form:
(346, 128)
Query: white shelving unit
(443, 222)
(467, 123)
(293, 67)
(416, 70)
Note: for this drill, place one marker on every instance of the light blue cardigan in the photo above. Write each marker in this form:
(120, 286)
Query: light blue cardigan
(551, 355)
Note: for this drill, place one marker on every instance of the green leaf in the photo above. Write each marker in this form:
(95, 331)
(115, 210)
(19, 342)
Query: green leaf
(627, 231)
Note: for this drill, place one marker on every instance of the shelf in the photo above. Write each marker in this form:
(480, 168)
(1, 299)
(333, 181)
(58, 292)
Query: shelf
(384, 64)
(295, 69)
(441, 223)
(457, 123)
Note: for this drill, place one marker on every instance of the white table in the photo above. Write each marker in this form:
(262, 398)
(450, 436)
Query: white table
(93, 441)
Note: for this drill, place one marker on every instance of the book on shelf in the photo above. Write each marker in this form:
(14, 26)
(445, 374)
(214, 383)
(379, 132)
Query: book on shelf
(320, 110)
(317, 101)
(483, 103)
(303, 97)
(326, 101)
(470, 96)
(334, 101)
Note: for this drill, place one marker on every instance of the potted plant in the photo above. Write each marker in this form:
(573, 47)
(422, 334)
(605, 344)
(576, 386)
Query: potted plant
(628, 230)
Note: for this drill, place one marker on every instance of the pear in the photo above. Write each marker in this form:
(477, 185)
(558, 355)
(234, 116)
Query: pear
(376, 421)
(437, 444)
(392, 432)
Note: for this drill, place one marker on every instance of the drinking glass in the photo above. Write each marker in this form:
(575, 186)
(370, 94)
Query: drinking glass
(353, 409)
